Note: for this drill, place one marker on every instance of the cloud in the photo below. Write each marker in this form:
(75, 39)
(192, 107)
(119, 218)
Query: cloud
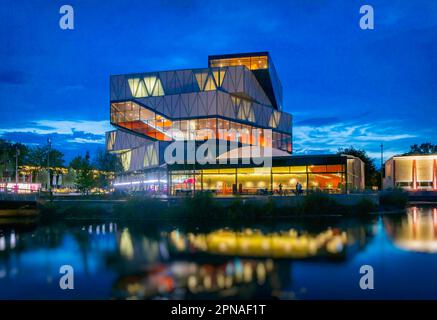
(317, 121)
(70, 137)
(328, 138)
(45, 127)
(84, 140)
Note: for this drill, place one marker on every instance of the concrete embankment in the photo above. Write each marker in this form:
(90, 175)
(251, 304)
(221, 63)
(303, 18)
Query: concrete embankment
(292, 201)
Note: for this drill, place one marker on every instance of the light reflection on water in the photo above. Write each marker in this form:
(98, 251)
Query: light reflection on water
(305, 258)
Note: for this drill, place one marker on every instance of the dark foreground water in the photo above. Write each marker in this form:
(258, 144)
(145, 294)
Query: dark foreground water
(310, 258)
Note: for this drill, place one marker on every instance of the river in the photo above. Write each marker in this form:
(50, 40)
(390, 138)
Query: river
(305, 258)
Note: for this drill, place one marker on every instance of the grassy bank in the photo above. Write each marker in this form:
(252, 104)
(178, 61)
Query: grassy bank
(203, 207)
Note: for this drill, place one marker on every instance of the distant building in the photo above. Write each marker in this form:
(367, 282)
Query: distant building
(411, 172)
(236, 93)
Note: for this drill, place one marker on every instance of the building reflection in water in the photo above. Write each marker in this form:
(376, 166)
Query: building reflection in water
(146, 262)
(189, 280)
(416, 231)
(254, 243)
(222, 263)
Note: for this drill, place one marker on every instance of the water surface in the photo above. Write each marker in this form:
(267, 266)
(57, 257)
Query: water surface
(311, 258)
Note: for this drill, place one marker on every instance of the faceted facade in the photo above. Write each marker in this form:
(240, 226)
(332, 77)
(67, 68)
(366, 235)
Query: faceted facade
(237, 99)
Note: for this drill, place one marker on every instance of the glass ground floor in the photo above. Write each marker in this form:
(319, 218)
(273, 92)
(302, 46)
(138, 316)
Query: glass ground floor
(331, 174)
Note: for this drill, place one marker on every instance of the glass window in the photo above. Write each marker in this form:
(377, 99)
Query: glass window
(335, 168)
(221, 184)
(329, 182)
(403, 170)
(253, 180)
(288, 181)
(280, 169)
(252, 63)
(298, 169)
(318, 168)
(424, 169)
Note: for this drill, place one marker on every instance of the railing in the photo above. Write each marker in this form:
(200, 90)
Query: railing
(16, 195)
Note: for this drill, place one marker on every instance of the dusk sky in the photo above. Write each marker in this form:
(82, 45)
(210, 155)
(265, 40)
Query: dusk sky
(344, 86)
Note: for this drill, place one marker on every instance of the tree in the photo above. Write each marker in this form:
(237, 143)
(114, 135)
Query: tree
(8, 153)
(372, 176)
(76, 163)
(424, 148)
(38, 157)
(105, 161)
(84, 173)
(69, 179)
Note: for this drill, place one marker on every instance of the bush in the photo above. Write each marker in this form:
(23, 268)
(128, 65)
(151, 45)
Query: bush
(396, 199)
(364, 206)
(201, 206)
(141, 208)
(319, 203)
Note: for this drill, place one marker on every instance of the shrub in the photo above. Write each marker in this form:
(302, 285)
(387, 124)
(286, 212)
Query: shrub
(319, 203)
(396, 199)
(364, 206)
(201, 206)
(141, 207)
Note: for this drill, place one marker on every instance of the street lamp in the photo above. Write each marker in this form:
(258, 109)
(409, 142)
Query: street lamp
(49, 145)
(17, 152)
(382, 163)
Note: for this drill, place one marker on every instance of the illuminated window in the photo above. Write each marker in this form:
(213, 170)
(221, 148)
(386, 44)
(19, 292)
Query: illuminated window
(280, 169)
(151, 156)
(154, 86)
(317, 168)
(219, 75)
(210, 85)
(125, 159)
(137, 88)
(201, 79)
(252, 63)
(275, 117)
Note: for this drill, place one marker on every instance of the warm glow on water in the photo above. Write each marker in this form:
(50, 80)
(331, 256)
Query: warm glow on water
(299, 259)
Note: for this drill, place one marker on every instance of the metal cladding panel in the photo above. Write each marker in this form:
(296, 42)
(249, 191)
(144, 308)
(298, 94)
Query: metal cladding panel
(124, 140)
(242, 81)
(285, 122)
(237, 79)
(211, 103)
(188, 81)
(259, 114)
(254, 89)
(224, 105)
(137, 159)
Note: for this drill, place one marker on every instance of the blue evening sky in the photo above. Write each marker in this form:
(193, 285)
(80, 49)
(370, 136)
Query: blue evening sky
(344, 86)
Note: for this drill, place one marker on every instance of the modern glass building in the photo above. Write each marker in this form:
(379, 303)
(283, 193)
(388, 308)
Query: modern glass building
(411, 172)
(236, 102)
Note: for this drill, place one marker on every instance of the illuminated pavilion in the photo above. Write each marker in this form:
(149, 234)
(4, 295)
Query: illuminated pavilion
(236, 93)
(411, 172)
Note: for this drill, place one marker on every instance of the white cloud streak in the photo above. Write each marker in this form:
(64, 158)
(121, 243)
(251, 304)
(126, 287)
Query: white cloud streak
(329, 138)
(63, 127)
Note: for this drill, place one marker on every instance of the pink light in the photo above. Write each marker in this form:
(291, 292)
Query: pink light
(434, 217)
(434, 176)
(414, 175)
(414, 222)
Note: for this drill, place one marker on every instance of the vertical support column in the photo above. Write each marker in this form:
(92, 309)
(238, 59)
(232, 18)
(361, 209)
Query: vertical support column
(434, 175)
(414, 175)
(346, 190)
(308, 180)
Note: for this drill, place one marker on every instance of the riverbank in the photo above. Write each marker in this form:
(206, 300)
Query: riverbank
(205, 207)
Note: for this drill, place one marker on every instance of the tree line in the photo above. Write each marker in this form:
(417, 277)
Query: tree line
(372, 174)
(84, 168)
